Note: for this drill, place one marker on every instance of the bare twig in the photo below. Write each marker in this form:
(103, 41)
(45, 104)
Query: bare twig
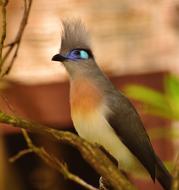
(20, 154)
(3, 4)
(91, 153)
(9, 106)
(10, 44)
(51, 161)
(16, 43)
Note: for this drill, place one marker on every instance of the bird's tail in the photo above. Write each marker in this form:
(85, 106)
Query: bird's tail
(163, 176)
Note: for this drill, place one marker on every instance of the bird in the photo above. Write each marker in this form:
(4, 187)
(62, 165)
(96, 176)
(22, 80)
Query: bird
(101, 113)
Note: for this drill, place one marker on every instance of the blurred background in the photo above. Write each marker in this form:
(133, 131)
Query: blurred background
(135, 42)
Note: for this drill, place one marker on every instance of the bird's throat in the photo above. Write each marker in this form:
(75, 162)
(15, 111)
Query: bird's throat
(85, 97)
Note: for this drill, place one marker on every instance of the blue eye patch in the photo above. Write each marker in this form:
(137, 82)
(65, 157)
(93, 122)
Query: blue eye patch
(76, 54)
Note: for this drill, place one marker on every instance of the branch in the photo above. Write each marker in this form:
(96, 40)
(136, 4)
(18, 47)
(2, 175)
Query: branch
(3, 4)
(20, 154)
(51, 161)
(91, 153)
(16, 43)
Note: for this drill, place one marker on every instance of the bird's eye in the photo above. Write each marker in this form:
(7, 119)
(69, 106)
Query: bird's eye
(84, 54)
(78, 54)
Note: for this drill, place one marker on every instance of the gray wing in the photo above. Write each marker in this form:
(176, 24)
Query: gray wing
(128, 126)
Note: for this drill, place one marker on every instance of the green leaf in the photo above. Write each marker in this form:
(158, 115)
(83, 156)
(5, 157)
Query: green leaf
(172, 86)
(172, 93)
(148, 96)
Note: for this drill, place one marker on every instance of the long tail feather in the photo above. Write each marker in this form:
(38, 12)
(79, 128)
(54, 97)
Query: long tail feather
(163, 176)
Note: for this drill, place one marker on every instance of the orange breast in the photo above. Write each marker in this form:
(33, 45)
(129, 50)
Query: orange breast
(84, 96)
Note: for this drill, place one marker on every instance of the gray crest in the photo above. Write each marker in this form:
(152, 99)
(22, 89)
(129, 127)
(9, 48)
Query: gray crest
(74, 35)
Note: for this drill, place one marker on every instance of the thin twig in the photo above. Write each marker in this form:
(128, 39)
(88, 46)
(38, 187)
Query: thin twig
(20, 154)
(16, 43)
(62, 168)
(10, 44)
(27, 138)
(3, 4)
(9, 106)
(51, 161)
(90, 152)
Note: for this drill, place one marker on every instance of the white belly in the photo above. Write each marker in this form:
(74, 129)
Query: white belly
(95, 128)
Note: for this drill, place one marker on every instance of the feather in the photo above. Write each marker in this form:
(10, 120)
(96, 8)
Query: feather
(74, 35)
(128, 126)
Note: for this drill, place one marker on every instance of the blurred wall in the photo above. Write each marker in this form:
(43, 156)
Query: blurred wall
(128, 36)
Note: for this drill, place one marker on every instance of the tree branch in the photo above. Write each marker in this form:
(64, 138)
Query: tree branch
(51, 160)
(20, 154)
(91, 153)
(16, 43)
(3, 4)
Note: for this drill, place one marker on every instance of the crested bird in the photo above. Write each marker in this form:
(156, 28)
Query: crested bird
(100, 112)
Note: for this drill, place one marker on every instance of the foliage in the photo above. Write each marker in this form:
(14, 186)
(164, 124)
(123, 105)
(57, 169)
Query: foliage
(164, 104)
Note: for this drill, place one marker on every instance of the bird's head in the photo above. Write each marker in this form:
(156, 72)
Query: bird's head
(75, 52)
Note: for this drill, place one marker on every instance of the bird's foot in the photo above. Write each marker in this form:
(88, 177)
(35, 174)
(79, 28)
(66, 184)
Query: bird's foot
(103, 184)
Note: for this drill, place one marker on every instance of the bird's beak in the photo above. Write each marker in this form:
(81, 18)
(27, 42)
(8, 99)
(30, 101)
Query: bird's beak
(59, 57)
